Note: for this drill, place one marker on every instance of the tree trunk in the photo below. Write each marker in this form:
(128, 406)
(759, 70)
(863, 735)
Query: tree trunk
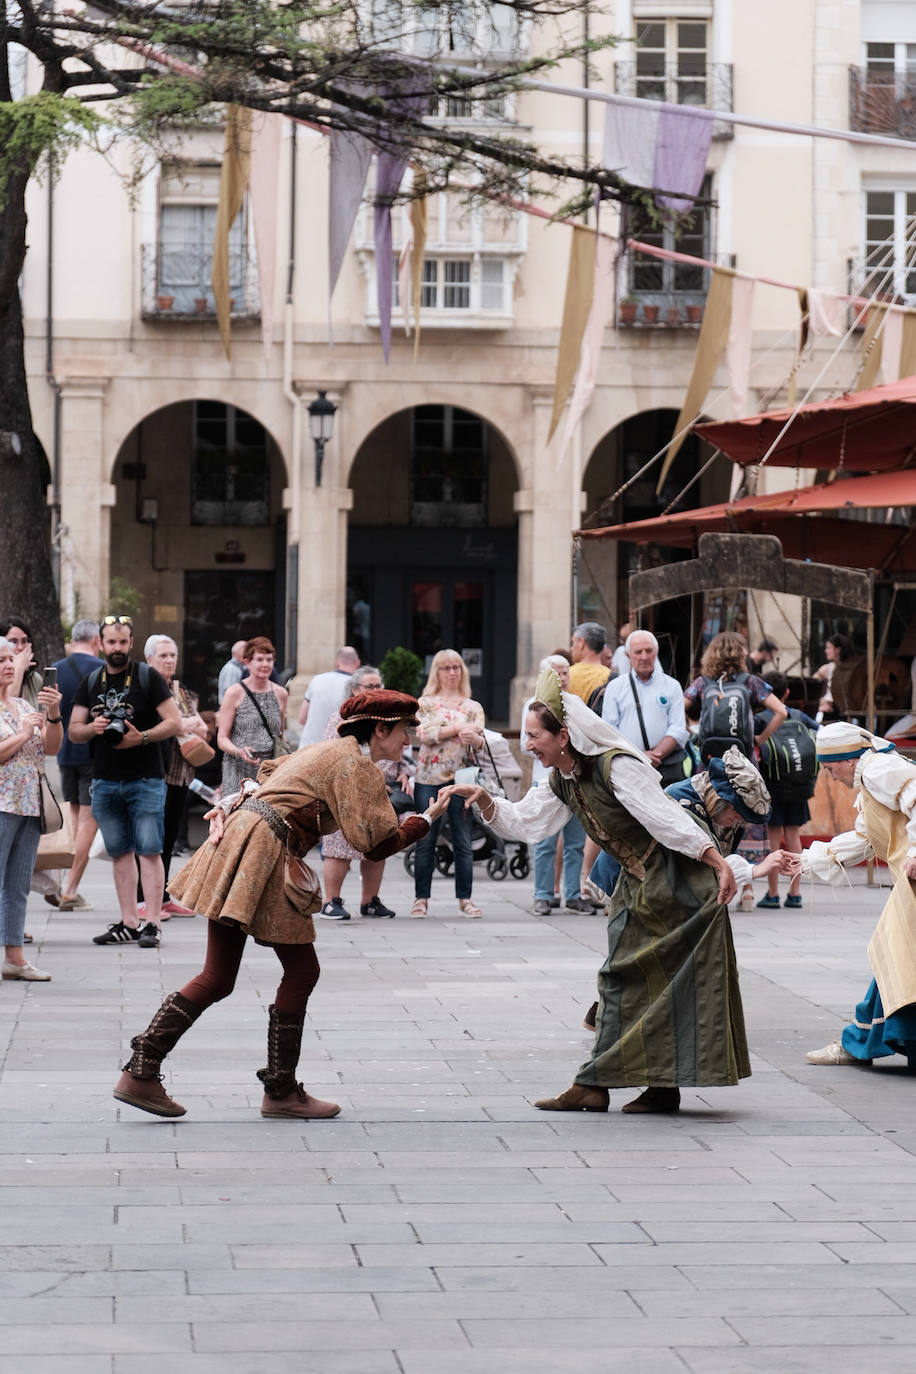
(26, 577)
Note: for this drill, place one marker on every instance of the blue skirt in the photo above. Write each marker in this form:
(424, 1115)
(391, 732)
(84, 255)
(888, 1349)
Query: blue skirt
(870, 1036)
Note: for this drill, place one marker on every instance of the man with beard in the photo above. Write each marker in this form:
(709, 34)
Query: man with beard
(123, 711)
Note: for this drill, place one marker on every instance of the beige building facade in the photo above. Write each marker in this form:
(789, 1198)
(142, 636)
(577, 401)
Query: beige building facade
(443, 516)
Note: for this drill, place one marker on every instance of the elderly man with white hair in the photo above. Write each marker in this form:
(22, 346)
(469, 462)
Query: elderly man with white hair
(545, 851)
(647, 706)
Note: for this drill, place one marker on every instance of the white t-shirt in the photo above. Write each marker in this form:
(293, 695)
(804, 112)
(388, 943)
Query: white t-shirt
(325, 693)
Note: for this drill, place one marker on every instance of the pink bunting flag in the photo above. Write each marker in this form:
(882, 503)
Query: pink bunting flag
(266, 139)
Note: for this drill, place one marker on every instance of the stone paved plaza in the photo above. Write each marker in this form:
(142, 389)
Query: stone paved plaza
(441, 1225)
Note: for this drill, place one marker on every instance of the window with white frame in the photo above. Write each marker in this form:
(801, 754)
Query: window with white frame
(443, 29)
(469, 263)
(890, 242)
(671, 60)
(891, 64)
(188, 203)
(692, 234)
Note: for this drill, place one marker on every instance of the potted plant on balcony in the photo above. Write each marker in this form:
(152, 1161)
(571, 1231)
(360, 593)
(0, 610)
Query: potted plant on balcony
(200, 304)
(627, 310)
(673, 315)
(165, 302)
(650, 314)
(694, 314)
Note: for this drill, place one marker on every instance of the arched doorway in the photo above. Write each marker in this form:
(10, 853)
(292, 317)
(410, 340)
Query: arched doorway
(433, 545)
(605, 566)
(199, 531)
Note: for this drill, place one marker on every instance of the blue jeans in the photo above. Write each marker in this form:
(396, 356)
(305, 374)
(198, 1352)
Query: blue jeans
(130, 815)
(460, 825)
(19, 836)
(605, 872)
(544, 855)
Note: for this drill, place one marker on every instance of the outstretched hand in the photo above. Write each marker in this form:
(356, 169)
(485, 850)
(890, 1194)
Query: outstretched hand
(473, 794)
(217, 819)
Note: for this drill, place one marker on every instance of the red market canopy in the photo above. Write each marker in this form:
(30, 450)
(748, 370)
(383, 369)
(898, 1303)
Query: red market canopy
(806, 521)
(863, 431)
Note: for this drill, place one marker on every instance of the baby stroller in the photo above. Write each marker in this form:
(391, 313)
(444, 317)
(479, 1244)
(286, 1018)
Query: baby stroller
(486, 846)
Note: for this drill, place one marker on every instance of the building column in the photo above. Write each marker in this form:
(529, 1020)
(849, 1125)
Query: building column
(546, 512)
(87, 497)
(318, 526)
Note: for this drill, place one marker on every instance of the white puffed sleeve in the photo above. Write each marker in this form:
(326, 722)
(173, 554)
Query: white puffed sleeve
(743, 871)
(539, 814)
(828, 859)
(638, 790)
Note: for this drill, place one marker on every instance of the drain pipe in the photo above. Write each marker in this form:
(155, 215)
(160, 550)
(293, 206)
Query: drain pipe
(57, 531)
(292, 549)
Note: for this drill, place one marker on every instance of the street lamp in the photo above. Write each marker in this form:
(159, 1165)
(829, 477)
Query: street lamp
(321, 427)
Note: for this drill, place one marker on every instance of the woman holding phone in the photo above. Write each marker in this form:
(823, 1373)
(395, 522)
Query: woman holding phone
(26, 735)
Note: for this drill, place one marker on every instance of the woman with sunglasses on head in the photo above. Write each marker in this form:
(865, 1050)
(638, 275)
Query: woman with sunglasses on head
(451, 725)
(250, 879)
(26, 735)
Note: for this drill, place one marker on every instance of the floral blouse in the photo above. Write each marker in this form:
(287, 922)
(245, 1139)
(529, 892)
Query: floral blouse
(19, 775)
(438, 760)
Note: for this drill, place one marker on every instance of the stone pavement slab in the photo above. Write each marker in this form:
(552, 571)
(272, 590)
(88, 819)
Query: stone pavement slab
(441, 1225)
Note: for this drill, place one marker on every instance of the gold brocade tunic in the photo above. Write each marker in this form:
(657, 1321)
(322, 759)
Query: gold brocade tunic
(330, 786)
(892, 948)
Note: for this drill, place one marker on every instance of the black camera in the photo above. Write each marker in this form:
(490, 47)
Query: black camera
(115, 731)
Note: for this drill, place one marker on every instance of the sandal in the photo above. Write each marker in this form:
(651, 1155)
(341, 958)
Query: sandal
(467, 908)
(419, 908)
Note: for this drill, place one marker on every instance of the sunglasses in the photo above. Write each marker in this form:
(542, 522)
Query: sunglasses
(118, 620)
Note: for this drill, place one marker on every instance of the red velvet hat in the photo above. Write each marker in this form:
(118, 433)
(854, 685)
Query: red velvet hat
(381, 705)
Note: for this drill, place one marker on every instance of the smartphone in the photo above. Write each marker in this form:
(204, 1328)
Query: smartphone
(49, 677)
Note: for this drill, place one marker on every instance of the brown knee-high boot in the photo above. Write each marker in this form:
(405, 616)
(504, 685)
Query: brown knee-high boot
(283, 1096)
(140, 1084)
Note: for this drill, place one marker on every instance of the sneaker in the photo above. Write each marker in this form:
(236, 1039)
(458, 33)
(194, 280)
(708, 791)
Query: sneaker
(583, 904)
(334, 910)
(792, 901)
(117, 934)
(52, 898)
(377, 908)
(150, 936)
(833, 1054)
(28, 973)
(173, 908)
(769, 902)
(542, 908)
(76, 903)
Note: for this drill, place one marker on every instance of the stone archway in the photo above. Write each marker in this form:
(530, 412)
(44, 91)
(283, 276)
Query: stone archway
(604, 567)
(198, 528)
(433, 544)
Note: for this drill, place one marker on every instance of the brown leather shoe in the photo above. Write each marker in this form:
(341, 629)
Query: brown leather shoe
(148, 1094)
(299, 1104)
(655, 1100)
(590, 1020)
(576, 1099)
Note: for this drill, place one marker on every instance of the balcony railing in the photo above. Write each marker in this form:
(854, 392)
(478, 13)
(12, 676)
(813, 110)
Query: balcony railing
(713, 88)
(883, 102)
(659, 294)
(176, 282)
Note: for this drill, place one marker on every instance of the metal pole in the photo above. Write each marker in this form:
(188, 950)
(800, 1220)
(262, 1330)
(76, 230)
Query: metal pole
(870, 650)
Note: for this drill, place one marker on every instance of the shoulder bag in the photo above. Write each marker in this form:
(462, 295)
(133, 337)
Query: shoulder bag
(50, 816)
(672, 765)
(280, 746)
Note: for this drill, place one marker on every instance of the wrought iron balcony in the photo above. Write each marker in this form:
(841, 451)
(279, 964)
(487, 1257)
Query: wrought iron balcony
(659, 294)
(883, 102)
(712, 88)
(176, 282)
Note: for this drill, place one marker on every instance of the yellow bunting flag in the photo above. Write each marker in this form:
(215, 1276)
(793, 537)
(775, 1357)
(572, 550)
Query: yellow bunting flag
(233, 184)
(872, 342)
(710, 348)
(908, 345)
(580, 284)
(418, 219)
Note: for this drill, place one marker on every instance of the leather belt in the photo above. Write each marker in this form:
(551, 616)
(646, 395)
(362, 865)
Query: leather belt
(278, 825)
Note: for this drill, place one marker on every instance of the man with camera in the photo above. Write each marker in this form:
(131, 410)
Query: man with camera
(123, 711)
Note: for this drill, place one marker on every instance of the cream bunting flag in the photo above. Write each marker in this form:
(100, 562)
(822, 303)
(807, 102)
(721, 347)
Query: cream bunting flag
(419, 212)
(266, 140)
(710, 347)
(580, 285)
(908, 345)
(233, 184)
(872, 344)
(599, 317)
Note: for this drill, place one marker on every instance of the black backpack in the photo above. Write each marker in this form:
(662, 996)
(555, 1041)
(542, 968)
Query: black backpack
(726, 717)
(788, 762)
